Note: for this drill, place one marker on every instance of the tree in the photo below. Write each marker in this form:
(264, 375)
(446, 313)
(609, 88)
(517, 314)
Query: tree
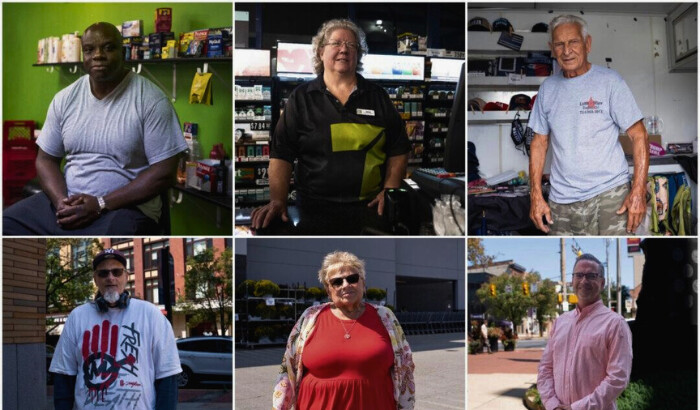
(545, 301)
(208, 289)
(613, 295)
(476, 254)
(513, 304)
(68, 274)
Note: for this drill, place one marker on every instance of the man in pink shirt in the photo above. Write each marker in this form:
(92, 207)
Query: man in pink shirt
(588, 359)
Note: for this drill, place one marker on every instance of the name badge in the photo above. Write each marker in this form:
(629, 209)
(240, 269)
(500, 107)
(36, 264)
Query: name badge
(361, 111)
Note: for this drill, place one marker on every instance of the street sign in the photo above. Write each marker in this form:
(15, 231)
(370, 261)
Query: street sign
(628, 305)
(633, 245)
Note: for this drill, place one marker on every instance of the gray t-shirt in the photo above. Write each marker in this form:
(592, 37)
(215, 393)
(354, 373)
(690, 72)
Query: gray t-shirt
(108, 142)
(584, 116)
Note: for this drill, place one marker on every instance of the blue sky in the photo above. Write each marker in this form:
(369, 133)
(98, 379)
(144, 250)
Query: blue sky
(542, 255)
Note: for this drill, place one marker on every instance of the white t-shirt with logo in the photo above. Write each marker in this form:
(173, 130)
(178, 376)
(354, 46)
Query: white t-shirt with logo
(117, 355)
(583, 117)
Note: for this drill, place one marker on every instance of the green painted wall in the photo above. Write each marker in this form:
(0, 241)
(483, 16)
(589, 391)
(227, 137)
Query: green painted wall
(27, 91)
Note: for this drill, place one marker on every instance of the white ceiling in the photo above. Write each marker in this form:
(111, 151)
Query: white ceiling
(636, 8)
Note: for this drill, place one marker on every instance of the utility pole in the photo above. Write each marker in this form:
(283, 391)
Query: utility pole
(619, 279)
(607, 269)
(562, 250)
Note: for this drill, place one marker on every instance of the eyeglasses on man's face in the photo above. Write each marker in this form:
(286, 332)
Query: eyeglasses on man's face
(116, 272)
(587, 275)
(351, 45)
(351, 279)
(572, 44)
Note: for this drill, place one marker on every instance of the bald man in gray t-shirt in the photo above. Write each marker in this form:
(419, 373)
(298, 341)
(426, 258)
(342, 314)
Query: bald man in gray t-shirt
(583, 109)
(120, 138)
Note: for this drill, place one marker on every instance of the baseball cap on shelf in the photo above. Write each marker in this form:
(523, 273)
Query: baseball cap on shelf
(479, 24)
(108, 254)
(540, 28)
(532, 101)
(496, 106)
(519, 101)
(502, 24)
(476, 104)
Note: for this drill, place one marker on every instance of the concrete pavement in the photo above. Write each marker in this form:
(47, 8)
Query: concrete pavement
(439, 374)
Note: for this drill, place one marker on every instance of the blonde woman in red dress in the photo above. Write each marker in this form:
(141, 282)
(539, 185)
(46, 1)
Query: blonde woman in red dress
(346, 354)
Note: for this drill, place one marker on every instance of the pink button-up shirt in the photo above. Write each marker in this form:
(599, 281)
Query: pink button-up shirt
(587, 361)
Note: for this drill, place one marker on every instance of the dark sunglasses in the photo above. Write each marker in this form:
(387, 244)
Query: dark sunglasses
(351, 279)
(116, 272)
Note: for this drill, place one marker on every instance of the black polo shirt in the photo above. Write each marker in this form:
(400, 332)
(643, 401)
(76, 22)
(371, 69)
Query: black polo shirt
(341, 150)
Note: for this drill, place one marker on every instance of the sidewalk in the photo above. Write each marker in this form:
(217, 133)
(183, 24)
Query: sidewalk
(498, 381)
(439, 374)
(188, 399)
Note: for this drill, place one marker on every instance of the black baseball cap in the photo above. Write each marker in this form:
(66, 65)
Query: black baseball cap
(502, 24)
(540, 28)
(108, 254)
(520, 101)
(479, 24)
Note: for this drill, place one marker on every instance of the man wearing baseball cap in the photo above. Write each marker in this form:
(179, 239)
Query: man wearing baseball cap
(115, 351)
(584, 109)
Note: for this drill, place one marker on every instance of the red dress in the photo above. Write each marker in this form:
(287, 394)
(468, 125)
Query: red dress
(347, 374)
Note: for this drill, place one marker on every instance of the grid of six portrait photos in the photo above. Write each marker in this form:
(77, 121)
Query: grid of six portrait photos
(325, 156)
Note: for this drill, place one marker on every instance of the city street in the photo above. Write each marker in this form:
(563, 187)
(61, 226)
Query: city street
(439, 374)
(498, 381)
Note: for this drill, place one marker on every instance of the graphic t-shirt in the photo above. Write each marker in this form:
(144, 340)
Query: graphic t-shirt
(117, 355)
(583, 117)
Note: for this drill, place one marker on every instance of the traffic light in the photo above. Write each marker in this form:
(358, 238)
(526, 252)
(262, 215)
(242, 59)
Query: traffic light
(573, 299)
(492, 289)
(560, 297)
(526, 289)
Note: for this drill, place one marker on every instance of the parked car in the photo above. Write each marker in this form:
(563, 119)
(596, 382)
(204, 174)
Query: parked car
(205, 358)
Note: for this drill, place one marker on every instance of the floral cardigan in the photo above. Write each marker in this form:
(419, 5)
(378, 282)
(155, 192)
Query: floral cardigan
(291, 372)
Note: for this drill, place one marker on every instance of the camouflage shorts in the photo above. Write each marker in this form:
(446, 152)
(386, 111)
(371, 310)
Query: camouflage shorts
(594, 216)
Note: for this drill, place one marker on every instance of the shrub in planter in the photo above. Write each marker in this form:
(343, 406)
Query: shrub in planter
(246, 288)
(266, 287)
(286, 311)
(494, 334)
(474, 346)
(314, 293)
(509, 345)
(390, 307)
(376, 294)
(266, 312)
(532, 399)
(262, 332)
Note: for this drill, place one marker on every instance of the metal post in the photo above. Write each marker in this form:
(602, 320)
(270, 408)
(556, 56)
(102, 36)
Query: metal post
(619, 274)
(562, 250)
(607, 269)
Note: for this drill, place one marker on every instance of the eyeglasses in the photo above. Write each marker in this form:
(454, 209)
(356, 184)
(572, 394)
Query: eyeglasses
(587, 275)
(116, 272)
(349, 44)
(559, 46)
(351, 279)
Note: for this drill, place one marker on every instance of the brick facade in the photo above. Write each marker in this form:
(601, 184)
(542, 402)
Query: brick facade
(24, 290)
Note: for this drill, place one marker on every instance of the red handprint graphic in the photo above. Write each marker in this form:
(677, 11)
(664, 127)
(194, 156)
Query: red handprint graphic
(100, 367)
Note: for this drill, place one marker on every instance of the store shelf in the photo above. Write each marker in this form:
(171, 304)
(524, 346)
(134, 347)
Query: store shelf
(253, 159)
(501, 83)
(250, 121)
(486, 42)
(493, 117)
(238, 100)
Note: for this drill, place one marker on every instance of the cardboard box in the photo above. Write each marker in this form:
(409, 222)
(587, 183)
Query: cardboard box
(626, 142)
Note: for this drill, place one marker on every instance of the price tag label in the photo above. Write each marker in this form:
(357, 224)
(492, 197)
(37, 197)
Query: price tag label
(515, 78)
(270, 302)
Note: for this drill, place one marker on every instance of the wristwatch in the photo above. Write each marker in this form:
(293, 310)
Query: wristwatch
(103, 205)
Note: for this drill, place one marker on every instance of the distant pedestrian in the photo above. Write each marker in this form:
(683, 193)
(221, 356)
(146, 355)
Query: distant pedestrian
(485, 336)
(588, 359)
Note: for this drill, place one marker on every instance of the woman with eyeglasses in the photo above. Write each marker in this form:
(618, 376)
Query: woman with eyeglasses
(347, 137)
(346, 354)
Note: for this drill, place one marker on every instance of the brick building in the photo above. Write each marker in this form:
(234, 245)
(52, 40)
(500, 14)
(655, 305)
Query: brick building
(24, 326)
(142, 263)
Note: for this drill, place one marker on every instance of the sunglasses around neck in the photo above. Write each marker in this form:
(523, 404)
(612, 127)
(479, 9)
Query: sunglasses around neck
(351, 279)
(116, 272)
